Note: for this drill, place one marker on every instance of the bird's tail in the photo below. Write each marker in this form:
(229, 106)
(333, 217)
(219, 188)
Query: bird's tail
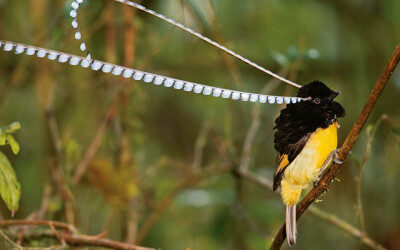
(291, 231)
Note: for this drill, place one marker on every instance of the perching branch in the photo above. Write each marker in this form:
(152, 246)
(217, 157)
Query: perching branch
(323, 184)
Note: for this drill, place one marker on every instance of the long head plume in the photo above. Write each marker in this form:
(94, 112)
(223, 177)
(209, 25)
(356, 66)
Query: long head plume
(147, 77)
(161, 80)
(74, 13)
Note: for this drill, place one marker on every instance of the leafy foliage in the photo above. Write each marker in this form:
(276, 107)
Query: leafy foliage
(6, 136)
(10, 189)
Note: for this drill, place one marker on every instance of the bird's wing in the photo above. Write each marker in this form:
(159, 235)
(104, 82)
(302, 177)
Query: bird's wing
(280, 165)
(286, 156)
(292, 134)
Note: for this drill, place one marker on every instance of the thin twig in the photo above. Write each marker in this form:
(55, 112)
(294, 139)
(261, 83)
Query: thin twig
(251, 135)
(85, 240)
(53, 131)
(334, 220)
(45, 202)
(157, 48)
(323, 184)
(256, 179)
(94, 146)
(39, 215)
(132, 221)
(228, 60)
(162, 206)
(199, 146)
(56, 160)
(189, 181)
(222, 147)
(125, 155)
(70, 236)
(57, 224)
(79, 241)
(65, 193)
(10, 241)
(58, 235)
(360, 167)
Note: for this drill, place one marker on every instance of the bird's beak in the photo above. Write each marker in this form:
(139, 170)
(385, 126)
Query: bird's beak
(334, 94)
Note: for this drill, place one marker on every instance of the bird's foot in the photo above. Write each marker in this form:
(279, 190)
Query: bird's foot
(335, 157)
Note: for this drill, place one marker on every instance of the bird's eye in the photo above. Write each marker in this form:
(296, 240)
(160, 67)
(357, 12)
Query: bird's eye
(317, 101)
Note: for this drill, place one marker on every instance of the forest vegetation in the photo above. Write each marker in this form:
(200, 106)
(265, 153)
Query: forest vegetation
(101, 157)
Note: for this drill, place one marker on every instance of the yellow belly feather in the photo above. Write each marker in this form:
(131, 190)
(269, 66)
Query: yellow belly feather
(305, 168)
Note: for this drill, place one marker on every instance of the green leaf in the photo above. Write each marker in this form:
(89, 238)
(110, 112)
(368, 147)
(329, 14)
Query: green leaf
(10, 190)
(13, 144)
(2, 138)
(7, 138)
(13, 127)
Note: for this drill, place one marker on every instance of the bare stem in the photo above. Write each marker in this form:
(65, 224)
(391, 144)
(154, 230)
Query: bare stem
(360, 167)
(57, 224)
(94, 146)
(199, 146)
(15, 245)
(251, 135)
(189, 181)
(69, 235)
(334, 220)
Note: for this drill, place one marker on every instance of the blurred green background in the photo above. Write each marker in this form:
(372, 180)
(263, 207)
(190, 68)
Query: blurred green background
(159, 171)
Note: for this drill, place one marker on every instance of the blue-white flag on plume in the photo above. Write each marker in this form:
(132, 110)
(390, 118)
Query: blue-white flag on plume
(160, 80)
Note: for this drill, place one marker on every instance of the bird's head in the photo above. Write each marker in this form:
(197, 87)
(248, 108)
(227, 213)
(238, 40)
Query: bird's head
(320, 98)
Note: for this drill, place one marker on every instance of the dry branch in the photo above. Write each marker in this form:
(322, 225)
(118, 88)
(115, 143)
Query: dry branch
(190, 181)
(323, 184)
(94, 145)
(56, 224)
(70, 236)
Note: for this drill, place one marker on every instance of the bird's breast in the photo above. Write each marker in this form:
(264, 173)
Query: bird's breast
(305, 167)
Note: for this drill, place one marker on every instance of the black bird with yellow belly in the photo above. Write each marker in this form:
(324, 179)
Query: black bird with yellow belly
(306, 141)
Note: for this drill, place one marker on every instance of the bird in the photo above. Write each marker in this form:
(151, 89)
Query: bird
(306, 142)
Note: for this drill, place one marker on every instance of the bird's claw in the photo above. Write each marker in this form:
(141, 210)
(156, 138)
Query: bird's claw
(335, 157)
(337, 161)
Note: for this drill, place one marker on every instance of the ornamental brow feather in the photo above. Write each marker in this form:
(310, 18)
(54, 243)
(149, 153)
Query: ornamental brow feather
(146, 76)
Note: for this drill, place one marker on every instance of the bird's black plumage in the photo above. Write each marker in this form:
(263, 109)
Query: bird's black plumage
(298, 121)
